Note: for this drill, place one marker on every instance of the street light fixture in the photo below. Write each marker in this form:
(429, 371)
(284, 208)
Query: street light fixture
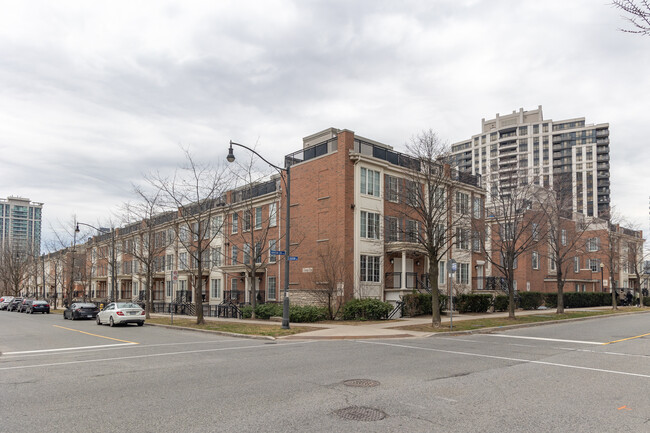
(285, 303)
(113, 276)
(602, 286)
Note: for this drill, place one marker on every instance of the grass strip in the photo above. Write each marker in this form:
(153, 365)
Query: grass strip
(474, 324)
(234, 327)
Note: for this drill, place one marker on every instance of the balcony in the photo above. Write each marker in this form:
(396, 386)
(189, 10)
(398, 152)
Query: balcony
(602, 133)
(603, 166)
(393, 280)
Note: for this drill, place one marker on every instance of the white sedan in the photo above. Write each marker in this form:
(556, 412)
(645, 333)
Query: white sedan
(121, 312)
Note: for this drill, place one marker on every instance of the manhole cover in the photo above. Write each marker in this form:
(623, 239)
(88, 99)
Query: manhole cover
(361, 413)
(361, 383)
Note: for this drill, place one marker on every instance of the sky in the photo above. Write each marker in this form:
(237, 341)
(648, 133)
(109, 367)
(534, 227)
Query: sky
(96, 95)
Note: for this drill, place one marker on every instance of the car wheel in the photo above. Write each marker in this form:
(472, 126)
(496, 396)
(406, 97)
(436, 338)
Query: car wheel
(140, 323)
(111, 323)
(99, 322)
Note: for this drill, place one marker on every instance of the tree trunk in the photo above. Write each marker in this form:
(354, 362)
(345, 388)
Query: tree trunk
(435, 299)
(198, 292)
(149, 288)
(560, 291)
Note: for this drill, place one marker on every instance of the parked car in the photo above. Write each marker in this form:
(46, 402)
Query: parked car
(25, 305)
(121, 312)
(14, 304)
(39, 307)
(5, 301)
(81, 310)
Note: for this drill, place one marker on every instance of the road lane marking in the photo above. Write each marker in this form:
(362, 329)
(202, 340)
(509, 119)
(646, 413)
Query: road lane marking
(95, 335)
(629, 338)
(153, 355)
(64, 349)
(546, 339)
(505, 358)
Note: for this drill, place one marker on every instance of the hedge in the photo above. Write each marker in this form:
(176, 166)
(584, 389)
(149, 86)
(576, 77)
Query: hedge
(531, 300)
(473, 303)
(501, 303)
(297, 313)
(579, 299)
(366, 309)
(419, 304)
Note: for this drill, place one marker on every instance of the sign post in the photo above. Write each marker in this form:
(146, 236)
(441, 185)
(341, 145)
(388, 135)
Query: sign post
(452, 271)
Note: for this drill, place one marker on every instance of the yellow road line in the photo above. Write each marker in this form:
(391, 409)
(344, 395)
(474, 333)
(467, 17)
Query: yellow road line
(625, 339)
(95, 335)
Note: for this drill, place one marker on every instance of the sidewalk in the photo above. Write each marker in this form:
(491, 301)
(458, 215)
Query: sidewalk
(333, 331)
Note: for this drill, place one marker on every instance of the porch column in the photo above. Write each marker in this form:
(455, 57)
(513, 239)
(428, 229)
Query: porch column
(403, 279)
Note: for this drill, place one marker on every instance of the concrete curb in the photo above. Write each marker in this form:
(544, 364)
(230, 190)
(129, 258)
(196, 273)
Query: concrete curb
(531, 325)
(209, 331)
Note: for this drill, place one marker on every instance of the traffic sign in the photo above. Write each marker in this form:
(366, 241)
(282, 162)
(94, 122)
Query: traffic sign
(293, 258)
(277, 253)
(175, 275)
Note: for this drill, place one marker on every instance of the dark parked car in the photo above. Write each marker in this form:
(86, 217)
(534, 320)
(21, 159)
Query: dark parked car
(14, 304)
(81, 310)
(25, 305)
(39, 307)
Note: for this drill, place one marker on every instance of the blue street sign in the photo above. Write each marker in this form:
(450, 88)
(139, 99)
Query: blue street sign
(293, 258)
(277, 253)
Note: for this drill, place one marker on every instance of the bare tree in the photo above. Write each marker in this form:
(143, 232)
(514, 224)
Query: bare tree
(15, 265)
(514, 225)
(197, 192)
(428, 198)
(564, 231)
(638, 14)
(611, 251)
(149, 212)
(637, 257)
(329, 279)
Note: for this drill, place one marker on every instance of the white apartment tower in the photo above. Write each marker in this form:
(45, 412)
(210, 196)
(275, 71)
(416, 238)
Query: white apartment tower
(20, 224)
(546, 151)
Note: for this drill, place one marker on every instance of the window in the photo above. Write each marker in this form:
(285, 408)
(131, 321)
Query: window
(593, 244)
(410, 196)
(247, 254)
(392, 229)
(478, 207)
(411, 231)
(576, 264)
(216, 256)
(273, 214)
(217, 224)
(170, 262)
(594, 265)
(233, 288)
(135, 288)
(441, 272)
(272, 247)
(182, 258)
(168, 287)
(271, 288)
(215, 288)
(551, 262)
(370, 268)
(462, 238)
(463, 276)
(535, 231)
(535, 260)
(258, 253)
(258, 218)
(369, 182)
(234, 252)
(369, 225)
(476, 241)
(392, 189)
(247, 220)
(462, 202)
(563, 237)
(235, 223)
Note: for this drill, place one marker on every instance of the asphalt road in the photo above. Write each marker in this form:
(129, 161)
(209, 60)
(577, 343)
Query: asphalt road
(59, 375)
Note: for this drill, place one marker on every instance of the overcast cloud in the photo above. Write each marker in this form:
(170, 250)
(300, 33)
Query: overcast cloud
(95, 94)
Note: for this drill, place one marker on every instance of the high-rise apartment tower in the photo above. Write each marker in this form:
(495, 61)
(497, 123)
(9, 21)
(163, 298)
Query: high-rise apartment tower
(525, 147)
(20, 225)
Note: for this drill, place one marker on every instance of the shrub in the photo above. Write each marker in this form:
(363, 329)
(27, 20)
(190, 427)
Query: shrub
(579, 299)
(266, 311)
(531, 300)
(473, 303)
(646, 301)
(366, 309)
(501, 303)
(419, 304)
(246, 312)
(306, 313)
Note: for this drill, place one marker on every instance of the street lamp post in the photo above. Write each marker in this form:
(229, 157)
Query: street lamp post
(287, 242)
(106, 230)
(602, 286)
